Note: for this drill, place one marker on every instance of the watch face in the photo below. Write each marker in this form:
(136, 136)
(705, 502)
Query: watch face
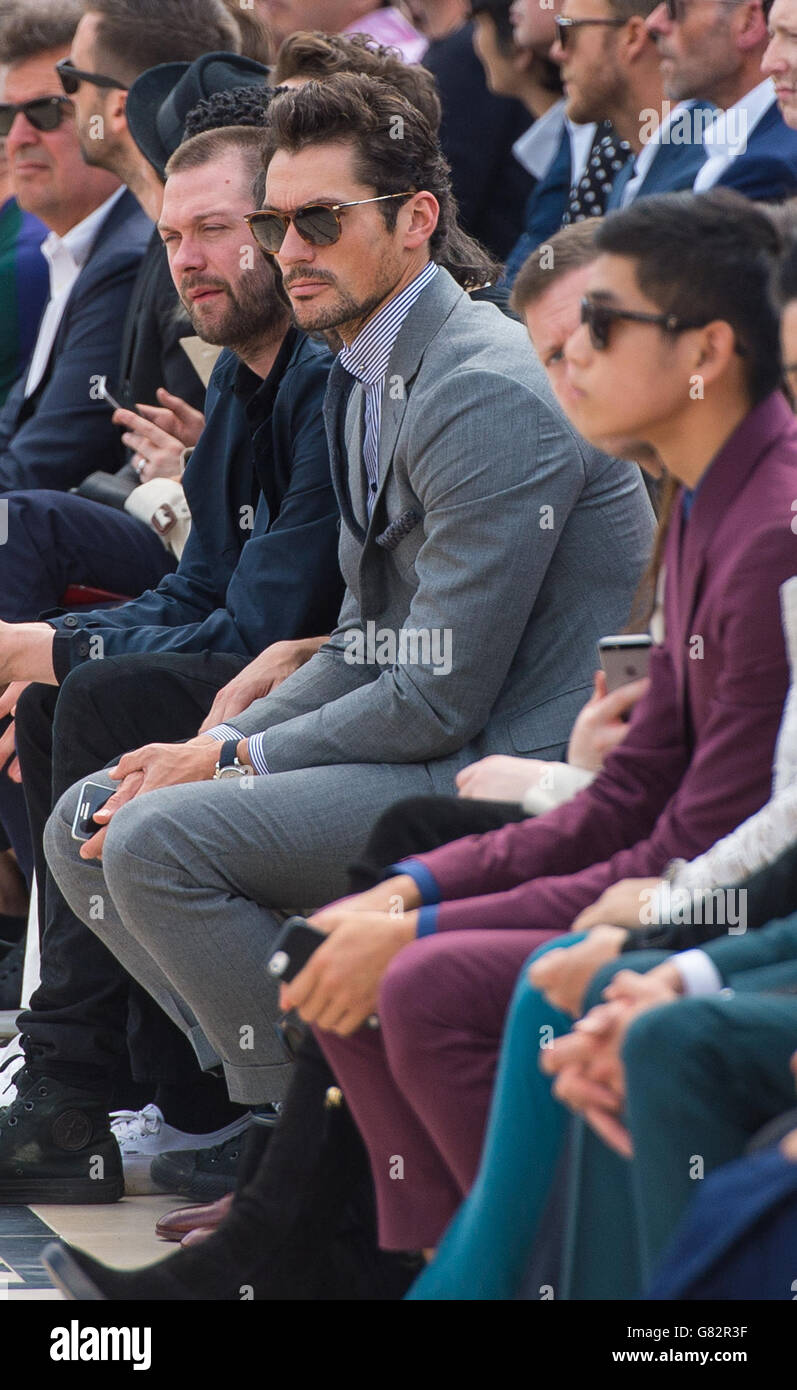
(230, 772)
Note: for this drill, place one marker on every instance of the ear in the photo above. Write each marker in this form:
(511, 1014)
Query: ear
(749, 25)
(636, 39)
(419, 217)
(714, 349)
(116, 110)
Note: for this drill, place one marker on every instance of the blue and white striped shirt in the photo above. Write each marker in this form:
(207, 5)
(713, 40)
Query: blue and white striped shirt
(366, 358)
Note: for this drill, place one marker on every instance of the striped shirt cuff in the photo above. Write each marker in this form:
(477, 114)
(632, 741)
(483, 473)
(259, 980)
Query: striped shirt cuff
(223, 733)
(257, 757)
(424, 879)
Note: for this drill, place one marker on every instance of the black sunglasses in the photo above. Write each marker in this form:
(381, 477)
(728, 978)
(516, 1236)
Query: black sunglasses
(44, 113)
(71, 78)
(317, 223)
(600, 317)
(564, 25)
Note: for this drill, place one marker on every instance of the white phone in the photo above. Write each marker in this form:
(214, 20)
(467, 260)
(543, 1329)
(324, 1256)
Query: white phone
(625, 657)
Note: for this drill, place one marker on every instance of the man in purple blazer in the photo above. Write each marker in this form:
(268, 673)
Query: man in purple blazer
(678, 349)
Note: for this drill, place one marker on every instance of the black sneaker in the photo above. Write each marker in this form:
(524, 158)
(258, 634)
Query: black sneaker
(207, 1174)
(56, 1146)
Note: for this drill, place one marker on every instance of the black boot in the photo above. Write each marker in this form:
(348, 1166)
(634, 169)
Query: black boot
(303, 1229)
(56, 1145)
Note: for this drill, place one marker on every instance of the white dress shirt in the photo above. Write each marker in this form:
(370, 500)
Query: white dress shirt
(536, 149)
(66, 256)
(729, 132)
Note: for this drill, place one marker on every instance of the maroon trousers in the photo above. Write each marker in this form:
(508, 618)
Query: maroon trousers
(420, 1086)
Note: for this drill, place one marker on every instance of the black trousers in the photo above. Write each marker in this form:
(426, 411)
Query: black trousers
(87, 1016)
(422, 823)
(48, 541)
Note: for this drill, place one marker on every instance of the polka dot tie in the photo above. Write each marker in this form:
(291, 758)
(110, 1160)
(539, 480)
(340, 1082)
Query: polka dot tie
(608, 156)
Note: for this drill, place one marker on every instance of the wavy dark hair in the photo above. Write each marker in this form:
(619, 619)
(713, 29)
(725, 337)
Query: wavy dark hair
(395, 149)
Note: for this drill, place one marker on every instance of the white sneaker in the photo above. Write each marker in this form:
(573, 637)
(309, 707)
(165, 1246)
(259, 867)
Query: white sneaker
(143, 1134)
(12, 1058)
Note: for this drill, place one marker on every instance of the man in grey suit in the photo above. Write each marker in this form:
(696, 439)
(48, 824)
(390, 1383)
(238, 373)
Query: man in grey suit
(485, 548)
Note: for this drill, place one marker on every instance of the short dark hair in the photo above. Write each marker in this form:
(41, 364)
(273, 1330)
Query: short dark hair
(218, 144)
(569, 249)
(134, 35)
(37, 26)
(240, 106)
(707, 256)
(314, 55)
(256, 38)
(785, 279)
(498, 10)
(395, 150)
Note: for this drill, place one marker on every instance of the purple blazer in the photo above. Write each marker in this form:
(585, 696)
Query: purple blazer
(697, 759)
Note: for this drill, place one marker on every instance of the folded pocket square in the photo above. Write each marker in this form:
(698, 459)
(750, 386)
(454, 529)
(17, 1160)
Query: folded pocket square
(394, 534)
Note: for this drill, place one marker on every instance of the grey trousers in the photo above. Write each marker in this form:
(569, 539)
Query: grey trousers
(195, 881)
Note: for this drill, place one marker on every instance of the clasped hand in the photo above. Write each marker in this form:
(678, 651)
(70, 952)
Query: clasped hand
(156, 765)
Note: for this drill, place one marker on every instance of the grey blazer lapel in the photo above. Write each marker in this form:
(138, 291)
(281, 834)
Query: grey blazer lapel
(336, 403)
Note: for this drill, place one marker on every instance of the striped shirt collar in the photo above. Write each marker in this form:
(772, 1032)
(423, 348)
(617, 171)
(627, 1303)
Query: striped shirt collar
(368, 355)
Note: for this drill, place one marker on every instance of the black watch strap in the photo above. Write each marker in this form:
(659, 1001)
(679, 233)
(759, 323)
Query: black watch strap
(229, 752)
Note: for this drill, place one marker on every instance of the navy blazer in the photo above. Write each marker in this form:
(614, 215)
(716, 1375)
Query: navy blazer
(738, 1237)
(673, 167)
(260, 564)
(63, 431)
(767, 171)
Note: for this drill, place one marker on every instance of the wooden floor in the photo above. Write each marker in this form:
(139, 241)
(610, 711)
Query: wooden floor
(121, 1234)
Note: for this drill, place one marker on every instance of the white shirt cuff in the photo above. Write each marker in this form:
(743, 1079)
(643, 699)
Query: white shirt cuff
(698, 972)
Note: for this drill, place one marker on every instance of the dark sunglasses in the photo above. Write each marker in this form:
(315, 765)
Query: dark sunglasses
(600, 317)
(565, 24)
(71, 78)
(44, 113)
(317, 223)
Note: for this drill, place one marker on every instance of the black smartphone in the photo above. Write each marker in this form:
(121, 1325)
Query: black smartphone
(92, 798)
(624, 658)
(293, 948)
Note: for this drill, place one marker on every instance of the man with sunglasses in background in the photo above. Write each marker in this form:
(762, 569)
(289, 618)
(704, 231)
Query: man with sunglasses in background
(712, 50)
(55, 424)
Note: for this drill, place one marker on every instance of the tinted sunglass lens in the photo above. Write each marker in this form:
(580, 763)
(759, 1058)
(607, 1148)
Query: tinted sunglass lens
(269, 232)
(317, 225)
(69, 81)
(7, 114)
(45, 115)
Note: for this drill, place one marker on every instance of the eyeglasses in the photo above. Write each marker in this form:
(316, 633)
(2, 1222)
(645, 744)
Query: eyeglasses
(44, 113)
(565, 24)
(600, 317)
(317, 223)
(71, 78)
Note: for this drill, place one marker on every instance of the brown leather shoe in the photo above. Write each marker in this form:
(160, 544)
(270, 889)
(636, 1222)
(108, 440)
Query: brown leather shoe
(176, 1224)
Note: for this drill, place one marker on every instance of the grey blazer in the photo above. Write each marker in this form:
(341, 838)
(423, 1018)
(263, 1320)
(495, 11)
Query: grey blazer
(494, 523)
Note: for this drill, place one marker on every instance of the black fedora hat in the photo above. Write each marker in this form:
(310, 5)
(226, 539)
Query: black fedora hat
(161, 98)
